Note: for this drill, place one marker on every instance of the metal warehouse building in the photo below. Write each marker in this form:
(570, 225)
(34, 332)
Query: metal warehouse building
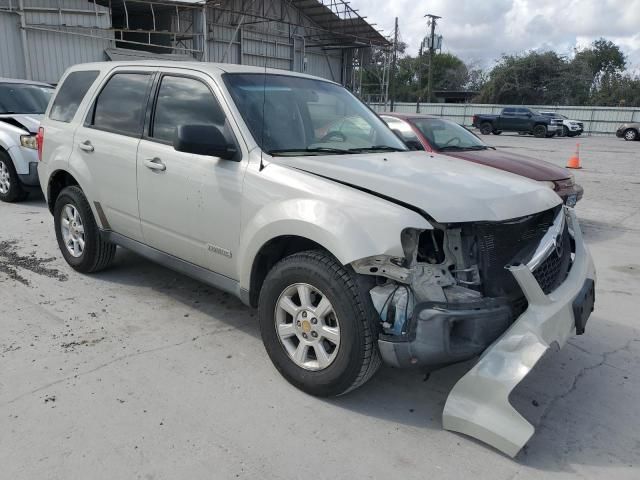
(39, 39)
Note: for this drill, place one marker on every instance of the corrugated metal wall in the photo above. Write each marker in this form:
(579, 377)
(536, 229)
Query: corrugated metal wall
(51, 52)
(11, 57)
(597, 120)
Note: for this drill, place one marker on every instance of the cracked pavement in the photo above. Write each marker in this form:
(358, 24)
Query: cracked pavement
(139, 372)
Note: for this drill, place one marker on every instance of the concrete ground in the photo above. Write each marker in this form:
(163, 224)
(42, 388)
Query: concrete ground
(139, 372)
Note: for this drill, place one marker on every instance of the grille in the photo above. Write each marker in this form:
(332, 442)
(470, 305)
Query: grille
(552, 272)
(502, 243)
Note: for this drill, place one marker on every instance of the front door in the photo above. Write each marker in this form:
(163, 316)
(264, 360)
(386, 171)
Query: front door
(189, 204)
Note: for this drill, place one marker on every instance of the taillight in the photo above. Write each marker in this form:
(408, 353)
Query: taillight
(40, 142)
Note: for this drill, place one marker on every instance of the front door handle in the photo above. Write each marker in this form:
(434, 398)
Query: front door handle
(155, 164)
(86, 146)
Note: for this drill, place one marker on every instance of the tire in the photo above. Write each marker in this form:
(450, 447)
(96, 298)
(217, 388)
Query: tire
(566, 132)
(10, 187)
(497, 132)
(540, 131)
(354, 358)
(95, 253)
(486, 128)
(630, 135)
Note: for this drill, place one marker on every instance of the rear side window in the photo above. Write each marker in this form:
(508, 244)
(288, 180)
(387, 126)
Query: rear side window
(70, 95)
(121, 104)
(184, 101)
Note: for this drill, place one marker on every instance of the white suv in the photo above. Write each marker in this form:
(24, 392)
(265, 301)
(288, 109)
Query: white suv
(22, 103)
(354, 250)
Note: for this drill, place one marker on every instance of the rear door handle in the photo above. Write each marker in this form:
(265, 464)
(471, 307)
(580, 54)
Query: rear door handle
(86, 146)
(155, 164)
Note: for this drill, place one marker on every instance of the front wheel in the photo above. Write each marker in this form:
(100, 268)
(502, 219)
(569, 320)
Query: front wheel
(316, 324)
(10, 188)
(486, 128)
(497, 132)
(78, 235)
(540, 131)
(630, 135)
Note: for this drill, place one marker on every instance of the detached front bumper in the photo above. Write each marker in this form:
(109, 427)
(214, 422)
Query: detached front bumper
(478, 404)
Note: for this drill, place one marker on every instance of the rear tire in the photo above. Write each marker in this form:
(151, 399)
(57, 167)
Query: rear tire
(630, 135)
(486, 128)
(497, 132)
(540, 131)
(10, 187)
(78, 235)
(352, 355)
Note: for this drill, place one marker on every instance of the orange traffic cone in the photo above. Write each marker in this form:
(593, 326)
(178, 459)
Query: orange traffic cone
(574, 160)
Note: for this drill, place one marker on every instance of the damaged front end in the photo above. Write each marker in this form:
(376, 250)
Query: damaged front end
(462, 288)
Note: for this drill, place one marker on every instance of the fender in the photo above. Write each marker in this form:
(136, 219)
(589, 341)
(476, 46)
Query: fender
(349, 223)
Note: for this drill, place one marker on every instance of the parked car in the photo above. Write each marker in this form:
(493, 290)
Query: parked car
(354, 250)
(22, 104)
(570, 128)
(434, 134)
(518, 119)
(629, 131)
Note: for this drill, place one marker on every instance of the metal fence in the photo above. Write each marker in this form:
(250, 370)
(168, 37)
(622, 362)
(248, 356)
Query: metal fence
(597, 120)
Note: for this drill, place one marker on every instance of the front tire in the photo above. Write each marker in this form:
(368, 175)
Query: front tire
(497, 132)
(566, 132)
(78, 235)
(540, 131)
(10, 187)
(630, 135)
(486, 128)
(316, 324)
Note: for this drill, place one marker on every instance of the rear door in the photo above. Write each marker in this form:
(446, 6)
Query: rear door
(189, 204)
(107, 144)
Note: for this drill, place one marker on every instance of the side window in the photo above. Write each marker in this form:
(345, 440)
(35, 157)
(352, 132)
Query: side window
(70, 95)
(121, 104)
(522, 111)
(184, 101)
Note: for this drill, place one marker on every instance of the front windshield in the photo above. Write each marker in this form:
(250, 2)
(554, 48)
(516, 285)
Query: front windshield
(24, 98)
(307, 116)
(446, 135)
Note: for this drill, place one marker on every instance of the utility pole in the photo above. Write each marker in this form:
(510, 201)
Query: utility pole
(394, 60)
(432, 44)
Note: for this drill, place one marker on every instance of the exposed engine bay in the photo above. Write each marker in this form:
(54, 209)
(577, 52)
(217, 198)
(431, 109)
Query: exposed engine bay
(452, 294)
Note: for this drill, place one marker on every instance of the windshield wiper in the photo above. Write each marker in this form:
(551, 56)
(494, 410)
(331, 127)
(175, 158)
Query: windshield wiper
(338, 151)
(379, 148)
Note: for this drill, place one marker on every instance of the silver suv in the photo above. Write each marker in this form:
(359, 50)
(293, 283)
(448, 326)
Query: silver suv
(354, 250)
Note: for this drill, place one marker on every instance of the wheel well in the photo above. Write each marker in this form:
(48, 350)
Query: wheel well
(57, 182)
(271, 253)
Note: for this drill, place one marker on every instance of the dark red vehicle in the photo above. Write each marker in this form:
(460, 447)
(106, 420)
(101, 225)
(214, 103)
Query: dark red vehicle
(434, 134)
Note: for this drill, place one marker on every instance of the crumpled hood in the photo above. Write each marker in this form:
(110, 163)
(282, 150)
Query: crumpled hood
(514, 163)
(29, 122)
(448, 189)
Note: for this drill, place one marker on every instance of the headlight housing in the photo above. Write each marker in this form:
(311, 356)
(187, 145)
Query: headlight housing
(28, 141)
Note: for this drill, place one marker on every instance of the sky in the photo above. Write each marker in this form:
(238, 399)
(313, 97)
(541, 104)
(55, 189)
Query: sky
(479, 31)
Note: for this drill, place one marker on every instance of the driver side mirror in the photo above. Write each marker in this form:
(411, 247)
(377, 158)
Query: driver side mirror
(203, 140)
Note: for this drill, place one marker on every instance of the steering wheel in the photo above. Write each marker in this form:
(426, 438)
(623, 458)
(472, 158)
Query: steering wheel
(451, 140)
(333, 134)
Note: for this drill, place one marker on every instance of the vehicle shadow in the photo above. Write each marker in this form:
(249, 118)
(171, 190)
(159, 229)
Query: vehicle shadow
(582, 399)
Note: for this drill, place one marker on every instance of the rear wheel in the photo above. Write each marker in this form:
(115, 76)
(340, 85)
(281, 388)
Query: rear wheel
(497, 132)
(540, 131)
(316, 324)
(486, 128)
(630, 135)
(10, 187)
(77, 233)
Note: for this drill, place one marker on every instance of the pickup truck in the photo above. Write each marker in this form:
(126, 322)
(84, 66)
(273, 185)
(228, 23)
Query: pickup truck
(518, 119)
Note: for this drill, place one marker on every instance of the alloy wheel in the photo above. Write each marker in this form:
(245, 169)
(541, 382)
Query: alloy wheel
(5, 179)
(307, 326)
(72, 230)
